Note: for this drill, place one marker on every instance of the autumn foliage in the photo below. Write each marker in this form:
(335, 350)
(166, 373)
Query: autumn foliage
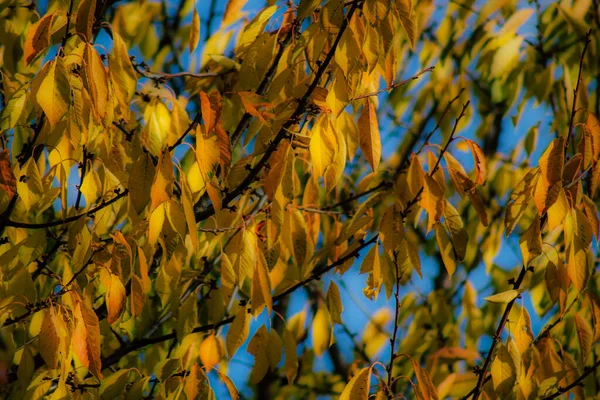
(187, 185)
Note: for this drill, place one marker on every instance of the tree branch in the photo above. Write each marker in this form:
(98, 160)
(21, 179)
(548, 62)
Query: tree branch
(283, 131)
(576, 382)
(137, 344)
(43, 225)
(496, 338)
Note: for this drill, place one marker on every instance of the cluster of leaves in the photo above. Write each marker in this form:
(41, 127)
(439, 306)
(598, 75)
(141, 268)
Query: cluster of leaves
(149, 215)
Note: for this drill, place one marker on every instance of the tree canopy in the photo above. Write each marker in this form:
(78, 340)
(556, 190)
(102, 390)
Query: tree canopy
(186, 186)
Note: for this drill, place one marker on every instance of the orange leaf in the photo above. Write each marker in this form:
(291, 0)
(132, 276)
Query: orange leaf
(8, 181)
(86, 337)
(49, 340)
(257, 106)
(115, 298)
(210, 352)
(479, 160)
(38, 37)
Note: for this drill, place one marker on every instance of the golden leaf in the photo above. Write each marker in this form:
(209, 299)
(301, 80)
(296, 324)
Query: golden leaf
(210, 352)
(194, 31)
(358, 387)
(49, 339)
(321, 330)
(38, 37)
(368, 129)
(115, 298)
(85, 19)
(238, 331)
(54, 94)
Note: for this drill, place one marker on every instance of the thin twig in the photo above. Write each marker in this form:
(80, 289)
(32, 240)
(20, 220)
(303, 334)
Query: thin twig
(576, 90)
(395, 85)
(66, 36)
(496, 337)
(576, 382)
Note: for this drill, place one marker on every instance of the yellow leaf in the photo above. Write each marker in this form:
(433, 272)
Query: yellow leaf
(334, 303)
(504, 297)
(306, 7)
(188, 209)
(26, 367)
(49, 340)
(372, 265)
(321, 331)
(91, 187)
(519, 199)
(531, 241)
(162, 187)
(207, 153)
(391, 229)
(210, 352)
(86, 337)
(85, 19)
(375, 335)
(328, 152)
(261, 287)
(408, 19)
(197, 385)
(432, 200)
(506, 57)
(124, 78)
(415, 175)
(274, 349)
(54, 94)
(479, 206)
(155, 224)
(593, 125)
(194, 31)
(552, 162)
(238, 331)
(558, 211)
(96, 79)
(38, 37)
(291, 356)
(503, 371)
(140, 182)
(446, 249)
(458, 233)
(522, 332)
(258, 348)
(158, 124)
(424, 380)
(368, 129)
(115, 298)
(232, 11)
(254, 28)
(137, 297)
(358, 387)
